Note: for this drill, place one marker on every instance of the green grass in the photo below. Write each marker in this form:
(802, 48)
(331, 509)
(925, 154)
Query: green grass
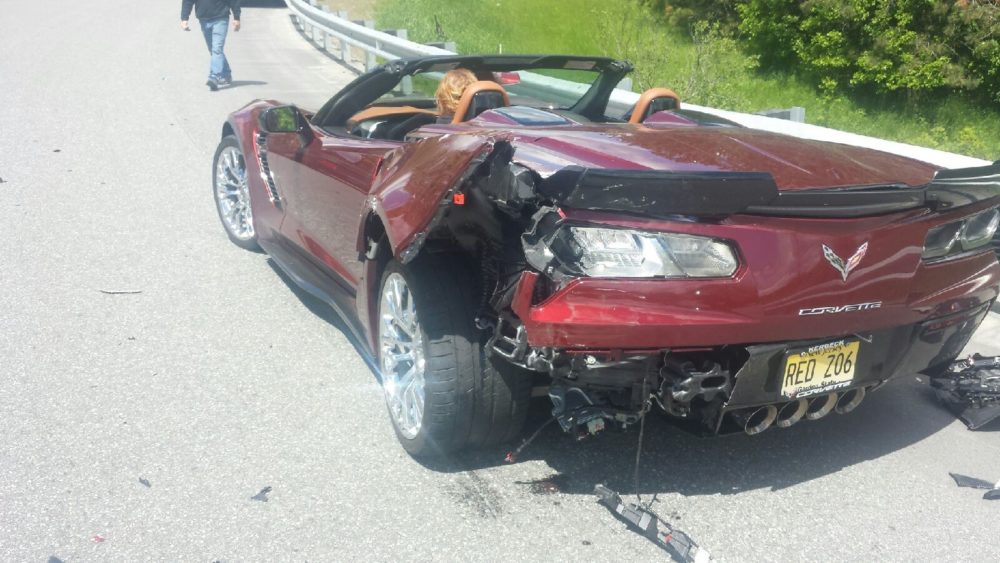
(709, 72)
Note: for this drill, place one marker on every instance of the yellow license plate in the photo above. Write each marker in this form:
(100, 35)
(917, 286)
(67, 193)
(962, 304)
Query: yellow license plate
(819, 369)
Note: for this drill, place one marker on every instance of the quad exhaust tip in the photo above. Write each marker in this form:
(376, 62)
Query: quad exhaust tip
(760, 420)
(755, 421)
(850, 400)
(821, 406)
(791, 412)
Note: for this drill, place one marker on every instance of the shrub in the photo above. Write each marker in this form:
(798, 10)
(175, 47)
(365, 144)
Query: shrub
(907, 46)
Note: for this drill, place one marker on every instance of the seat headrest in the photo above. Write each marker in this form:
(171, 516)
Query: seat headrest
(652, 101)
(479, 97)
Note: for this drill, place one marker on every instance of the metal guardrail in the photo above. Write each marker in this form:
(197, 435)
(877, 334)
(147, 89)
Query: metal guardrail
(313, 18)
(323, 26)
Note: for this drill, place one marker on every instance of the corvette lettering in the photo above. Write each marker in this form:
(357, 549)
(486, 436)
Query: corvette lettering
(841, 309)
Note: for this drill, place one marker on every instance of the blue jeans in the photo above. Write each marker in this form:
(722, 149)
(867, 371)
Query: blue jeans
(215, 37)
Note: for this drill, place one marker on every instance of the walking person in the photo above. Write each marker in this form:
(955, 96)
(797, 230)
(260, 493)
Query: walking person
(213, 15)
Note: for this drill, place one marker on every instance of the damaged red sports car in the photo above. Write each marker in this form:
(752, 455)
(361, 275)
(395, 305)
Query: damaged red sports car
(615, 258)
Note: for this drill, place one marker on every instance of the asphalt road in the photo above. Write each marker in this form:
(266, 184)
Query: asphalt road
(138, 426)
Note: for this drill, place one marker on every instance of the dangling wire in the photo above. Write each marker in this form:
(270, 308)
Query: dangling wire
(642, 430)
(512, 456)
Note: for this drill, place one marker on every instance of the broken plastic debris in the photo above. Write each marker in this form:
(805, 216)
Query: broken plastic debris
(992, 489)
(262, 495)
(145, 481)
(98, 538)
(645, 522)
(971, 389)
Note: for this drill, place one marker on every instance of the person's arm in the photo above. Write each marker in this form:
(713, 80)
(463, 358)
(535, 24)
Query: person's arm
(186, 6)
(234, 6)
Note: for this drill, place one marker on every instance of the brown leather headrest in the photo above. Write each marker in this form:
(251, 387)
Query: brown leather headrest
(470, 92)
(639, 113)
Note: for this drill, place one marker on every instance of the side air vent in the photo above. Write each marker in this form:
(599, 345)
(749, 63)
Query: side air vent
(265, 170)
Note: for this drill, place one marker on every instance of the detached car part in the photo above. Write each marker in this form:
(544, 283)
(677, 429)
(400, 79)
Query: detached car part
(971, 389)
(647, 524)
(992, 489)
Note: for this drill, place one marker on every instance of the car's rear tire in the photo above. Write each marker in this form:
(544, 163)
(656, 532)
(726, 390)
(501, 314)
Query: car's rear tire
(460, 396)
(232, 194)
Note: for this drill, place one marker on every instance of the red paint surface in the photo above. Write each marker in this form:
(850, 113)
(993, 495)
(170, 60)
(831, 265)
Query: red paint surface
(330, 185)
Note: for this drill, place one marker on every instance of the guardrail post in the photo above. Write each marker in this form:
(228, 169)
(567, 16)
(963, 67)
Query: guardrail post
(370, 56)
(326, 46)
(345, 49)
(405, 85)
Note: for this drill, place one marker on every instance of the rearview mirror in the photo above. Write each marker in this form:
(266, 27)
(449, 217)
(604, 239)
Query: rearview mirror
(282, 119)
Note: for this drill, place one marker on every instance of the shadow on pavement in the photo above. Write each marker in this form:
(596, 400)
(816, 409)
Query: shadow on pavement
(900, 414)
(238, 83)
(322, 310)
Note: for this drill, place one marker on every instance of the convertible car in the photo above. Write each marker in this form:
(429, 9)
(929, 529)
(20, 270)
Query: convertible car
(544, 241)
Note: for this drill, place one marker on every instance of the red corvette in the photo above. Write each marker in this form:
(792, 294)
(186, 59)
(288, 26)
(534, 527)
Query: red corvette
(620, 258)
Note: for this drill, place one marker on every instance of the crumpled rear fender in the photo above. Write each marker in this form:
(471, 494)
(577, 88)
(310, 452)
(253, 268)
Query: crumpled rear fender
(416, 185)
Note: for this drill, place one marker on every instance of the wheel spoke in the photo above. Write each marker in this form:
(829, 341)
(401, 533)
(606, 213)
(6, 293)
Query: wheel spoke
(232, 195)
(401, 350)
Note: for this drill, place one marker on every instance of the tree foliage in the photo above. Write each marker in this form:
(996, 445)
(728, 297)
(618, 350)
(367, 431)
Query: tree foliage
(907, 46)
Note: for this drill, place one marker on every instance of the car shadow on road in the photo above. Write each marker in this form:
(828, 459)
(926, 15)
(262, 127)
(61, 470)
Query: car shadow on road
(324, 311)
(902, 413)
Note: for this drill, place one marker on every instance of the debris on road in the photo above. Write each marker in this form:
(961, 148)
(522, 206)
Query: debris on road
(646, 523)
(98, 538)
(971, 389)
(262, 495)
(120, 291)
(145, 482)
(992, 489)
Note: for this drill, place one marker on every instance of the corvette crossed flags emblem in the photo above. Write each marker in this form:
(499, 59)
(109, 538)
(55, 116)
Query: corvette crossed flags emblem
(840, 265)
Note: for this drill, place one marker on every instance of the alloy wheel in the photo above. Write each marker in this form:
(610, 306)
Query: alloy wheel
(401, 356)
(232, 194)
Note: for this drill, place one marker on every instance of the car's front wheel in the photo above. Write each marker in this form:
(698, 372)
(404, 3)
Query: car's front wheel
(232, 194)
(442, 391)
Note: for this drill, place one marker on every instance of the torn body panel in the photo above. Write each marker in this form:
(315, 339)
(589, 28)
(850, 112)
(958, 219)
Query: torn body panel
(415, 186)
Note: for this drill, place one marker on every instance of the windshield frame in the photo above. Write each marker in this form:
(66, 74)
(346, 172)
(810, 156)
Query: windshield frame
(369, 87)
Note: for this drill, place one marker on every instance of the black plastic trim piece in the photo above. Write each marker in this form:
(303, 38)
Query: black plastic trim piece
(659, 193)
(726, 193)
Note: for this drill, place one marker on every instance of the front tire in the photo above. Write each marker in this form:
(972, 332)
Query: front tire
(442, 391)
(232, 193)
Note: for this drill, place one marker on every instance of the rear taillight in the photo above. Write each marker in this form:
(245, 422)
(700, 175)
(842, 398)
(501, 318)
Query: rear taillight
(957, 237)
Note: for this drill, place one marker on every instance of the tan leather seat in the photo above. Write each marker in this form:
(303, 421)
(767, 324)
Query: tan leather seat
(652, 101)
(479, 97)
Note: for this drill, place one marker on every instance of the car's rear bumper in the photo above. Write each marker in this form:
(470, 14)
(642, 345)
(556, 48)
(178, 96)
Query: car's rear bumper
(923, 347)
(631, 315)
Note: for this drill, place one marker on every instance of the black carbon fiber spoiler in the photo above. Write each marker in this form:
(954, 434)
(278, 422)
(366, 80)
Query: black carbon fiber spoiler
(728, 193)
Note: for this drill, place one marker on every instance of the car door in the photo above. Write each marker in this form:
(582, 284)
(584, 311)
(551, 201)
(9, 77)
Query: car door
(323, 211)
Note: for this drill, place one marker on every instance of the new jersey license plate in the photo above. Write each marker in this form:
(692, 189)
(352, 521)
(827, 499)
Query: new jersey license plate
(819, 369)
